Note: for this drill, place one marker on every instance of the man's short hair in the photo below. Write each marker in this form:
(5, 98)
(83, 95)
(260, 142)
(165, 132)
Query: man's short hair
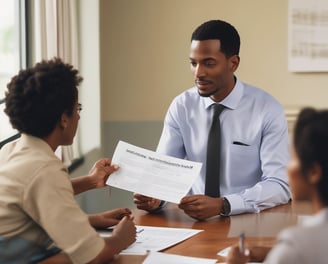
(220, 30)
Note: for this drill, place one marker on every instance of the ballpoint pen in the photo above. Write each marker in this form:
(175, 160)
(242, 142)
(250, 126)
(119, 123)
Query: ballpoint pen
(241, 242)
(140, 230)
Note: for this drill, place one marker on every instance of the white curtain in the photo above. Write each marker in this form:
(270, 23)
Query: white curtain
(55, 33)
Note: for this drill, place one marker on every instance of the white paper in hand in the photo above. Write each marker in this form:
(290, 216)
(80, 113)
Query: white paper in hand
(152, 174)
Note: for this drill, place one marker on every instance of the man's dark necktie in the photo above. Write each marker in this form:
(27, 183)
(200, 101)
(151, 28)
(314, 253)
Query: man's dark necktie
(212, 184)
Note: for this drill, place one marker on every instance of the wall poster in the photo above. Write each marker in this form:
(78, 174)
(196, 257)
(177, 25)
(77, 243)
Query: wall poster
(308, 36)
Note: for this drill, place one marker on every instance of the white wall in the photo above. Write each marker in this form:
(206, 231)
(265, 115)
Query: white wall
(142, 55)
(145, 48)
(90, 126)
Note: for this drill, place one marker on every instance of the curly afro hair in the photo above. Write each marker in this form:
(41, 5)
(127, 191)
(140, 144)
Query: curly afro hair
(38, 96)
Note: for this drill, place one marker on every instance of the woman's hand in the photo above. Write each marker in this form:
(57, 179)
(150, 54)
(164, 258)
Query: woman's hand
(237, 257)
(125, 232)
(101, 171)
(97, 176)
(109, 218)
(251, 254)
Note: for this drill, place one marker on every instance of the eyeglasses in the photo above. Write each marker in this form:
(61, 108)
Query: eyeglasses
(79, 108)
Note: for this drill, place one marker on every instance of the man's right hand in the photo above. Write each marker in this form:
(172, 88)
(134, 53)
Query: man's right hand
(146, 203)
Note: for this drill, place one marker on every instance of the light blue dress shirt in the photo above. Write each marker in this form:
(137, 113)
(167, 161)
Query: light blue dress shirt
(254, 148)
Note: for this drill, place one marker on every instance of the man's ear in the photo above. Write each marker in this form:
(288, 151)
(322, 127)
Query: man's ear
(64, 121)
(315, 174)
(234, 62)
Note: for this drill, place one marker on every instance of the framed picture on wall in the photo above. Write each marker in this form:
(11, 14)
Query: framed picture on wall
(308, 36)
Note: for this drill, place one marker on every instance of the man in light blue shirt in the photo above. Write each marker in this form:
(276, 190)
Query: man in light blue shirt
(254, 132)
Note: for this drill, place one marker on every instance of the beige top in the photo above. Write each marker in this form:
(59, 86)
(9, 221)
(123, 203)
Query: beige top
(37, 205)
(304, 243)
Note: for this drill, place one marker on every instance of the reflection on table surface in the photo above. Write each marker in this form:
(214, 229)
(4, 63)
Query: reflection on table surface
(219, 232)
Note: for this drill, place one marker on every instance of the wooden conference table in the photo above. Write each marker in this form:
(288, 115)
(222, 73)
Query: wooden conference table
(219, 232)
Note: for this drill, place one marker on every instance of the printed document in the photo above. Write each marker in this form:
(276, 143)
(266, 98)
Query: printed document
(164, 258)
(151, 238)
(152, 174)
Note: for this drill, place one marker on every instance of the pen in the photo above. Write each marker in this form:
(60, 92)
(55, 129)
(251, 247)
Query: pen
(140, 230)
(241, 242)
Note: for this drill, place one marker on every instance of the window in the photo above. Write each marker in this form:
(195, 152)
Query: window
(13, 55)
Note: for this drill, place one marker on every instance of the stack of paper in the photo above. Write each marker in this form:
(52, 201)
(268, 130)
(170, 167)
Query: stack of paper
(163, 258)
(151, 239)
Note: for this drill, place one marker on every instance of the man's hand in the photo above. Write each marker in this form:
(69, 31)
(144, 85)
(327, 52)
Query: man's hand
(201, 207)
(109, 218)
(145, 203)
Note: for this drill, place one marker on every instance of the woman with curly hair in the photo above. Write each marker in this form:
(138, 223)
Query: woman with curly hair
(40, 219)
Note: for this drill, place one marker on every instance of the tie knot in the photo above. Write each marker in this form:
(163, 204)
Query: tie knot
(218, 108)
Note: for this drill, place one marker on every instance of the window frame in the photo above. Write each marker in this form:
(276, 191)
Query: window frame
(23, 25)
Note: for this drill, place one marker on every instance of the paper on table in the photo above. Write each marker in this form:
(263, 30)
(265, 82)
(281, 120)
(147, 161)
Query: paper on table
(152, 174)
(164, 258)
(224, 253)
(150, 238)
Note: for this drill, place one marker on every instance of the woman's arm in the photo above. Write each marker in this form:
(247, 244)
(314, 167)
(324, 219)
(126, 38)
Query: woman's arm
(97, 176)
(61, 258)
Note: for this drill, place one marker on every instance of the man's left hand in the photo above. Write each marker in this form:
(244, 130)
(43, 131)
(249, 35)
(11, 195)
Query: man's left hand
(201, 207)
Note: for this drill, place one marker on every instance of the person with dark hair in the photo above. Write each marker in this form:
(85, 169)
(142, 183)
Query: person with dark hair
(308, 177)
(40, 219)
(252, 149)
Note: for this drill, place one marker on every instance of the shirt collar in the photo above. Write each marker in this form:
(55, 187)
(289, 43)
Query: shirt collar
(232, 100)
(35, 142)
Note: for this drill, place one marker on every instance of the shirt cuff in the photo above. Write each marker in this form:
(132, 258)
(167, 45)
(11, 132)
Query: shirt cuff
(159, 208)
(237, 205)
